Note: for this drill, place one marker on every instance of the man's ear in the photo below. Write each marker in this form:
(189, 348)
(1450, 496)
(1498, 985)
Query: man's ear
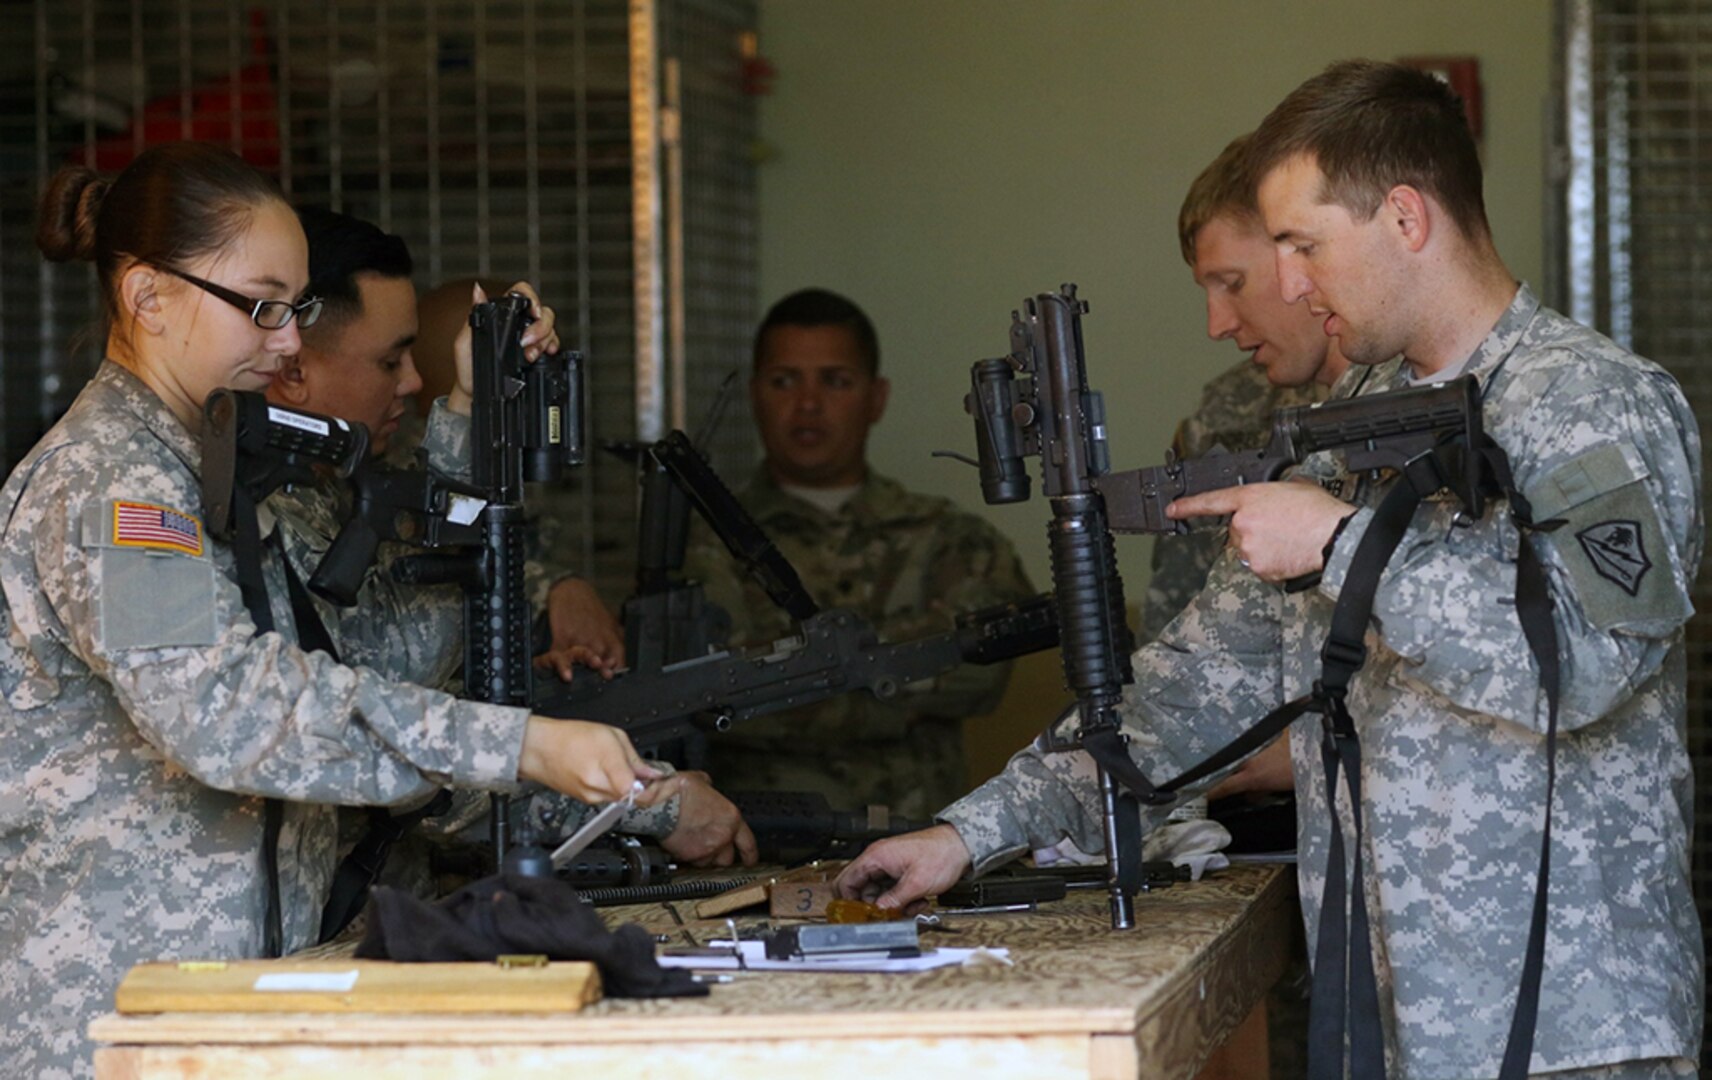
(291, 385)
(1410, 214)
(877, 398)
(140, 304)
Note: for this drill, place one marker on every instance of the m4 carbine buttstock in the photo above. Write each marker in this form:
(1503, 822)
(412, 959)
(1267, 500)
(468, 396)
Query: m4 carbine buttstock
(1378, 431)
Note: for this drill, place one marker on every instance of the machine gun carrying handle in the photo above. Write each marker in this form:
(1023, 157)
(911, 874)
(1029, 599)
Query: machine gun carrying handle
(742, 536)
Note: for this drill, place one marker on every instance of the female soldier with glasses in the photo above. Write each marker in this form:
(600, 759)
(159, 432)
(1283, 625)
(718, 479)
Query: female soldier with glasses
(143, 719)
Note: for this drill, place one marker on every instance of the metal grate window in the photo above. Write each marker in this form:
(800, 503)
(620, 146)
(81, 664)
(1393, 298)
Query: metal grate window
(495, 137)
(1634, 239)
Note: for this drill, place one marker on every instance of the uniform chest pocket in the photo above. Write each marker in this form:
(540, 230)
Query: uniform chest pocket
(155, 582)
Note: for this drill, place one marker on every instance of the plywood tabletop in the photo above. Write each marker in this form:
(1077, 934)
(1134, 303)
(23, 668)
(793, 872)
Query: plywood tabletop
(1199, 951)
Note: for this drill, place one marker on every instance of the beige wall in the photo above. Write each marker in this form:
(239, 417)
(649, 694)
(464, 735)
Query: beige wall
(938, 161)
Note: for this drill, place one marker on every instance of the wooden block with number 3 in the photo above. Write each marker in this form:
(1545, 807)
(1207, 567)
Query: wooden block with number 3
(800, 899)
(760, 892)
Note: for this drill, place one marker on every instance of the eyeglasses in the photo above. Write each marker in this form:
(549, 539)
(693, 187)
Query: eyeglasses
(267, 314)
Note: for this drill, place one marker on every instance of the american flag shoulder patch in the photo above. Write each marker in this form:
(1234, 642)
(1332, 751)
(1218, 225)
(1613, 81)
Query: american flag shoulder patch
(146, 525)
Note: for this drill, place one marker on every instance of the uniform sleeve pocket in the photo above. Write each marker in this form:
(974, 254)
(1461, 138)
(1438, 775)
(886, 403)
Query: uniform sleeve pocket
(151, 601)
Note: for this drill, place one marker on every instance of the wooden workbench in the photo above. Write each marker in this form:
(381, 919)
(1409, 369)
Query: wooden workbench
(1080, 1001)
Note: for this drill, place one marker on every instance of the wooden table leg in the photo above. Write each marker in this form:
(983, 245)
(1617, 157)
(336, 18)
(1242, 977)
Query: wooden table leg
(1246, 1054)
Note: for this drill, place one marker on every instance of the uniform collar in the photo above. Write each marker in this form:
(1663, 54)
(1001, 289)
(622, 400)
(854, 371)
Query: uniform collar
(1503, 338)
(1483, 363)
(133, 395)
(876, 499)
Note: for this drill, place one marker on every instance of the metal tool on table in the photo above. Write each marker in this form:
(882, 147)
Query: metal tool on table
(595, 827)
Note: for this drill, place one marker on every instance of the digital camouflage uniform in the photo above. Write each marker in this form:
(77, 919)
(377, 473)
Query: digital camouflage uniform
(1451, 718)
(909, 563)
(144, 718)
(415, 634)
(1235, 414)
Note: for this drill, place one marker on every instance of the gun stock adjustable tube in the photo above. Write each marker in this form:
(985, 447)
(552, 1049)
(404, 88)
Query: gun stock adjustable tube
(1451, 407)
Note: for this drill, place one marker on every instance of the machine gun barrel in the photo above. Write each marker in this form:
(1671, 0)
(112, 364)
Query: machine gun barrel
(832, 653)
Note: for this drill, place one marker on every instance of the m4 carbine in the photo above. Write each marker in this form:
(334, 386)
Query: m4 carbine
(526, 422)
(1378, 431)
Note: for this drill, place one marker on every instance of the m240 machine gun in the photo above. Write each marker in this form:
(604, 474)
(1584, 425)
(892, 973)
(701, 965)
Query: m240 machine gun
(832, 652)
(1037, 402)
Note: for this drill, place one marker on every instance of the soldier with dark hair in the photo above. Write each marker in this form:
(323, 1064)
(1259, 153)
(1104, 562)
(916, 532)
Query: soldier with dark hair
(908, 562)
(168, 759)
(357, 363)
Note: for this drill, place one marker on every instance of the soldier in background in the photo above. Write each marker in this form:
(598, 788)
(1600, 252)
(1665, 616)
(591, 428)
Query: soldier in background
(1291, 362)
(861, 541)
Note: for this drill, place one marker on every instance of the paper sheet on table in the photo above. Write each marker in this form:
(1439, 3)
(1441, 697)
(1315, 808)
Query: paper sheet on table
(755, 957)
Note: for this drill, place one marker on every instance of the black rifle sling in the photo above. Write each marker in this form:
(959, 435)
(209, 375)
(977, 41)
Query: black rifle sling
(361, 868)
(247, 552)
(1110, 750)
(358, 871)
(1348, 1000)
(1534, 608)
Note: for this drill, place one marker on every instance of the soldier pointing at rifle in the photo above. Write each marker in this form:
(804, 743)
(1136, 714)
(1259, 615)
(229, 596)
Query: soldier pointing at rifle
(1370, 185)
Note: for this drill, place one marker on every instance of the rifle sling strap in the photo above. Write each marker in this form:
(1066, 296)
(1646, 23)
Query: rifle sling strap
(1345, 996)
(247, 552)
(363, 865)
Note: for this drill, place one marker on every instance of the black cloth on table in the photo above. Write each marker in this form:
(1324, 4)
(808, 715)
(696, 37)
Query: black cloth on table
(510, 913)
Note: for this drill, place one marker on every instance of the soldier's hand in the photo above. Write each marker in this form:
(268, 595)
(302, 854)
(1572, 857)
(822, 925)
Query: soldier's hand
(902, 869)
(1278, 530)
(541, 337)
(1269, 770)
(584, 632)
(593, 763)
(710, 830)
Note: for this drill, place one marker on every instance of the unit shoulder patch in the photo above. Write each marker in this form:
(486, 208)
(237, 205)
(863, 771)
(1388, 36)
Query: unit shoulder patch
(1617, 552)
